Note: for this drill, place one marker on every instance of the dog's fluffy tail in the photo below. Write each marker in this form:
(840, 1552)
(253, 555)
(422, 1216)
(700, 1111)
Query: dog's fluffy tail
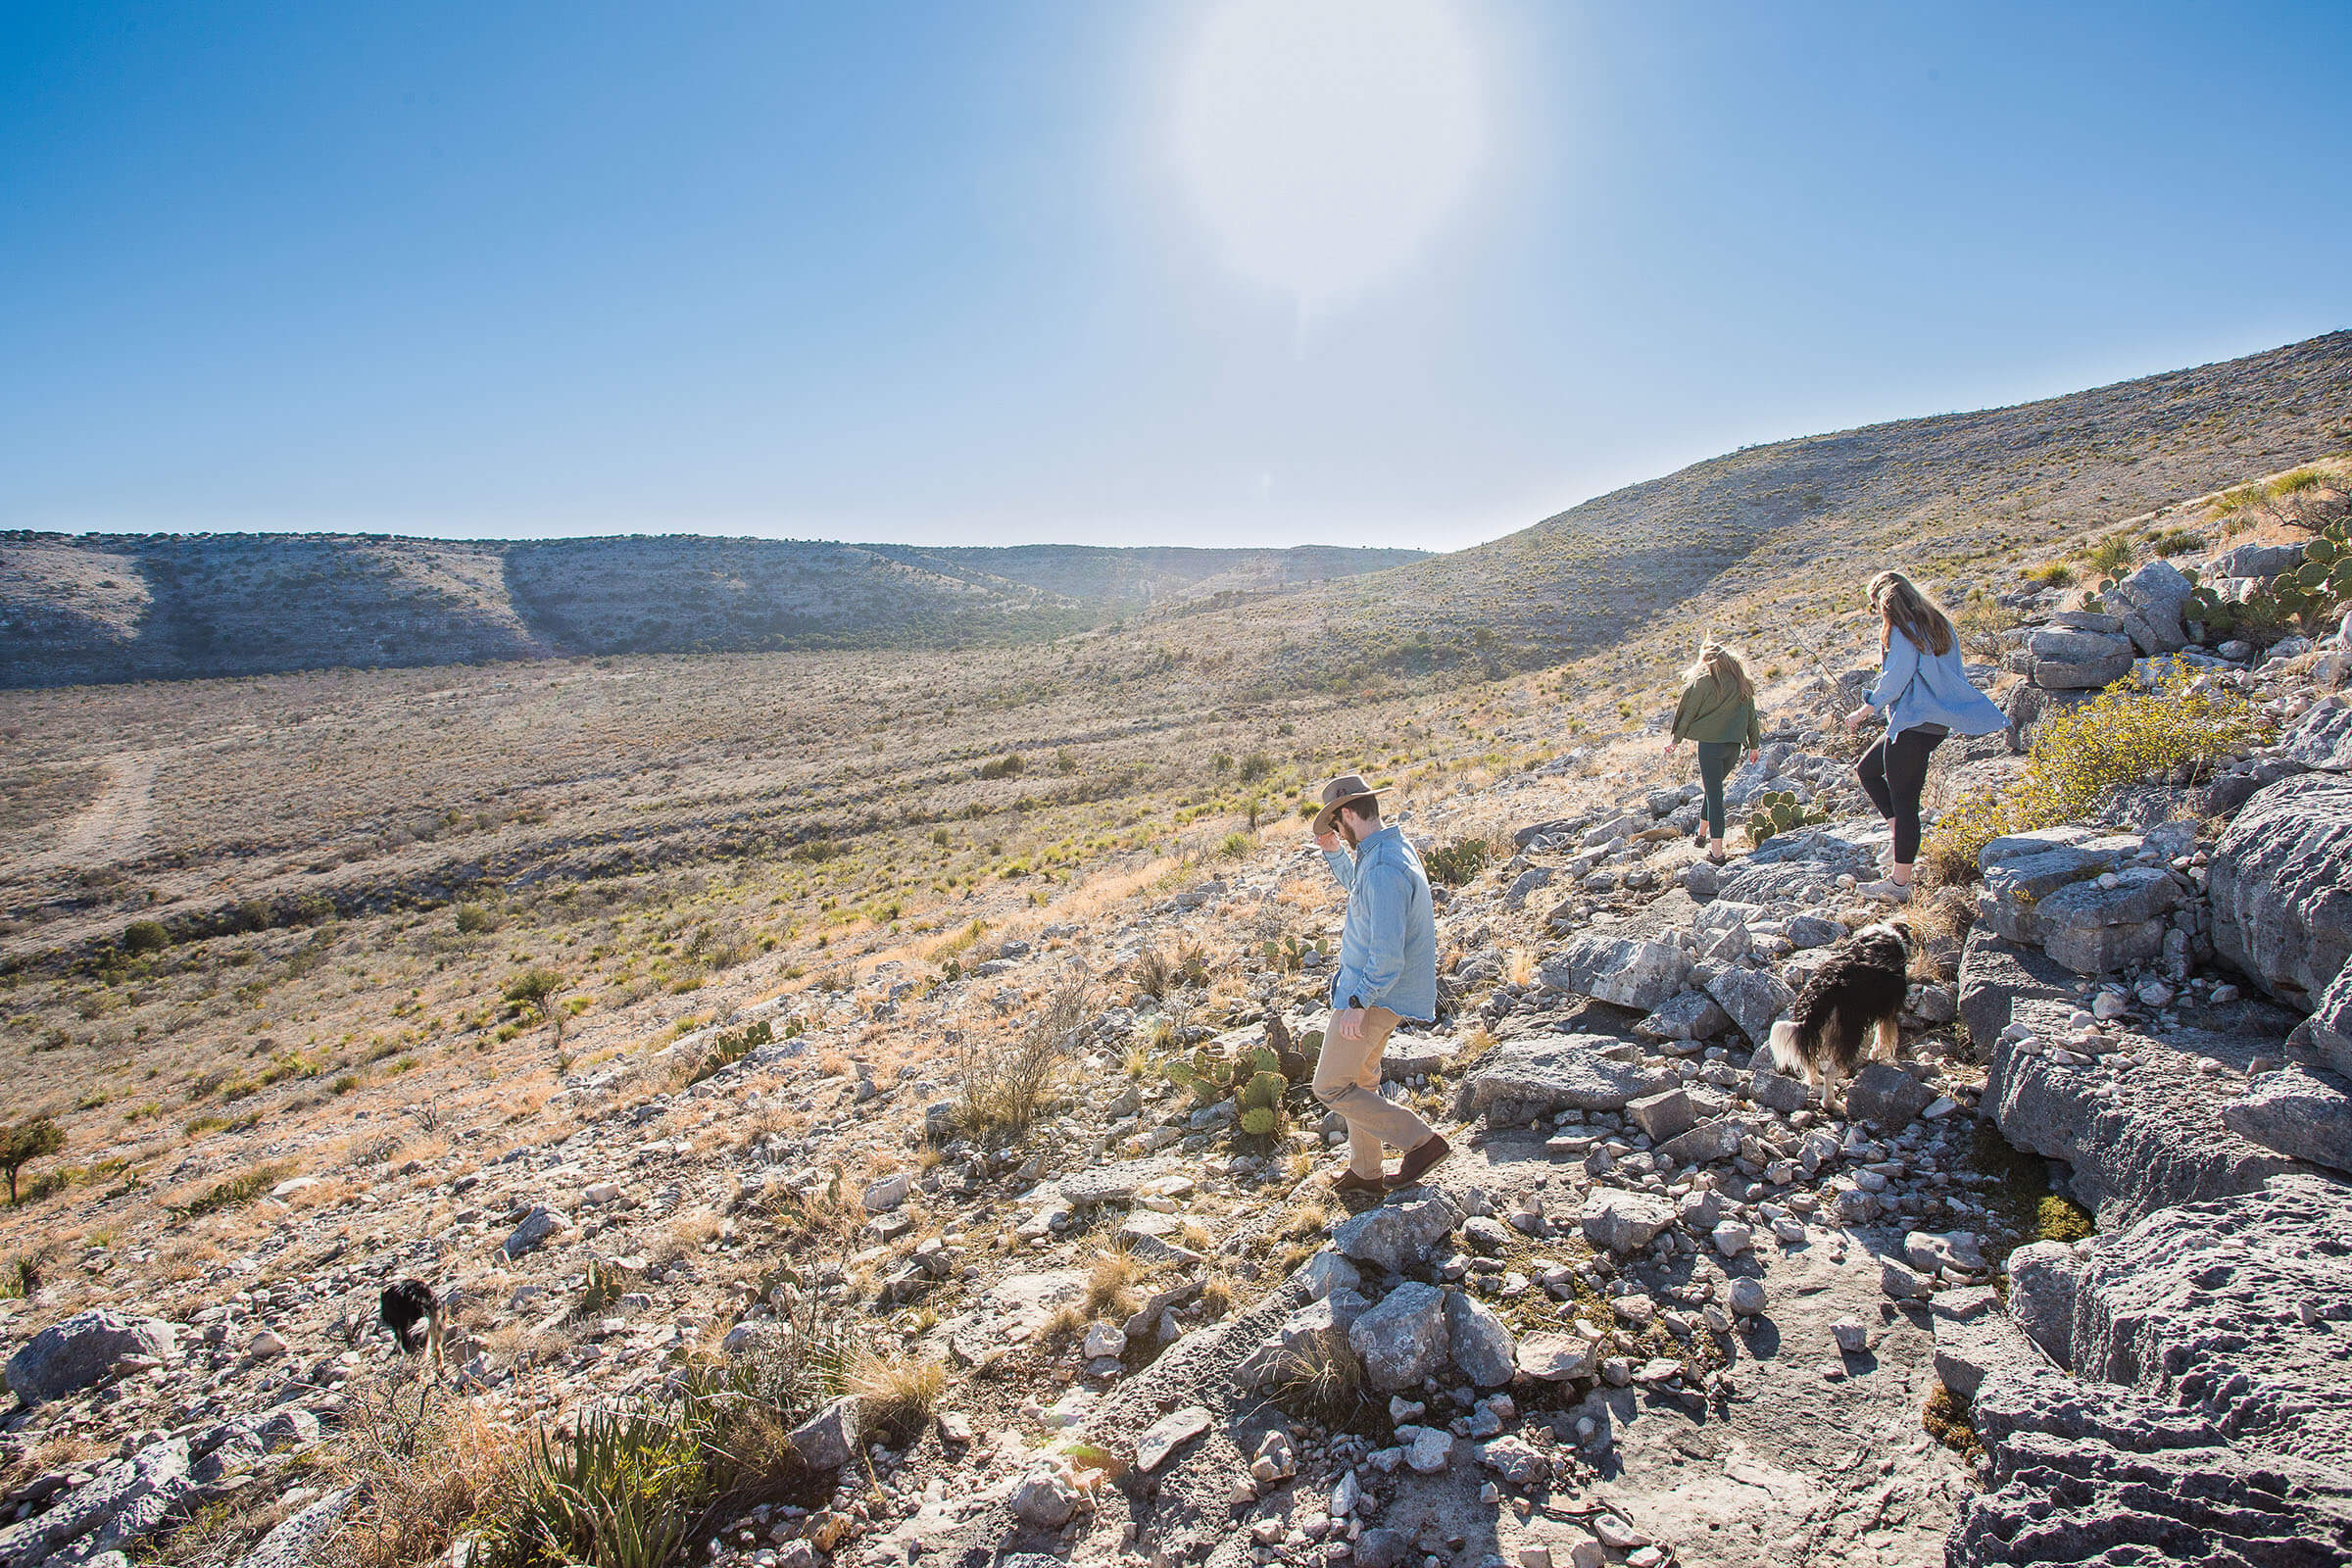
(1785, 1055)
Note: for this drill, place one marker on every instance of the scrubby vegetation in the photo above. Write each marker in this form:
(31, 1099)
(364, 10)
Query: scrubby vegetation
(2179, 732)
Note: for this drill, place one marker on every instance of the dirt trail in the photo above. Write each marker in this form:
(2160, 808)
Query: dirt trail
(111, 827)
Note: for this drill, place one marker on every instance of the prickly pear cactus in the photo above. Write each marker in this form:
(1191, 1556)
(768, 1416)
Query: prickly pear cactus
(1777, 811)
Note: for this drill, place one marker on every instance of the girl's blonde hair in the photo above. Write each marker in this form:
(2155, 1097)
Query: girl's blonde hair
(1902, 608)
(1719, 663)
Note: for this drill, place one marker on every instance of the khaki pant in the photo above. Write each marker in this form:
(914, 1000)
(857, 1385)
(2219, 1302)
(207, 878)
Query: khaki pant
(1348, 1081)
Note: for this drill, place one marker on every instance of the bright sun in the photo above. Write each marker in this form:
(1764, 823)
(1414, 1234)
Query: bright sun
(1323, 140)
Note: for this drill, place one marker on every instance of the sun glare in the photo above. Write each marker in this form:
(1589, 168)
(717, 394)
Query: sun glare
(1323, 141)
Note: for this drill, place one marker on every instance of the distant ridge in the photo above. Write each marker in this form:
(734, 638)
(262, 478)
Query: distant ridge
(100, 608)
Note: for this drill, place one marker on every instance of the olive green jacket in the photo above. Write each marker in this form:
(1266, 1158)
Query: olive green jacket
(1714, 710)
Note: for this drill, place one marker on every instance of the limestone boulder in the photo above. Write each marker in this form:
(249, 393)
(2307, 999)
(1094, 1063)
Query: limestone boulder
(2281, 887)
(1626, 971)
(1396, 1236)
(1484, 1349)
(2322, 737)
(82, 1351)
(1623, 1221)
(1754, 998)
(1522, 1078)
(2041, 1296)
(2204, 1421)
(2152, 604)
(1403, 1338)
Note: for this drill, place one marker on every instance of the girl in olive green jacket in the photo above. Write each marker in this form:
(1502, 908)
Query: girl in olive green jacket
(1718, 711)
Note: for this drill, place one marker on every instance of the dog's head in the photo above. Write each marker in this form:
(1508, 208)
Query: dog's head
(1895, 926)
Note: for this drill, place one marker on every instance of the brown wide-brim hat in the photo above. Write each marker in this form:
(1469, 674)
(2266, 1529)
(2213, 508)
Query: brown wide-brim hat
(1337, 793)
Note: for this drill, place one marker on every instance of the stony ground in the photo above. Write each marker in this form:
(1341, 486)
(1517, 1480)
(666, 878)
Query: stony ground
(1659, 1307)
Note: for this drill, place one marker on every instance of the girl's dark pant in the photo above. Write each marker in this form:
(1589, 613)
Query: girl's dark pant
(1716, 759)
(1892, 776)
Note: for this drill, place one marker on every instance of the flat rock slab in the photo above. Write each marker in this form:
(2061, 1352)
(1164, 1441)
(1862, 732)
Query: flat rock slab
(1109, 1184)
(2299, 1112)
(1168, 1434)
(1018, 1304)
(1524, 1079)
(2157, 1141)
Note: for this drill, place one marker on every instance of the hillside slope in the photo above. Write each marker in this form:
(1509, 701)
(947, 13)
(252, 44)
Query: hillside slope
(1916, 491)
(113, 608)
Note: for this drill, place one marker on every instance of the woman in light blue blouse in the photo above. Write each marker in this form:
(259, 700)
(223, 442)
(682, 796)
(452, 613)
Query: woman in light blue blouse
(1925, 694)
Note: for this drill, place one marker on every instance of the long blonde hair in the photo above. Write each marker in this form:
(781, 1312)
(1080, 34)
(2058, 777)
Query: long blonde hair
(1719, 663)
(1904, 607)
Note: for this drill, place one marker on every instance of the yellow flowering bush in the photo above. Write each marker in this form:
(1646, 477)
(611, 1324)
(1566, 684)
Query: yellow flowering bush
(2125, 735)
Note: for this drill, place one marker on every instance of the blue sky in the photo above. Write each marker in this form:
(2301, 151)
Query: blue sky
(994, 272)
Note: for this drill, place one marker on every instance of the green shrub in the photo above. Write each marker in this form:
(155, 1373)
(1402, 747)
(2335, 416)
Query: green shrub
(2123, 736)
(34, 1137)
(1010, 766)
(474, 921)
(145, 936)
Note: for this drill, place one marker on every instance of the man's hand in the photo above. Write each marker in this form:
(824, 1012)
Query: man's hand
(1853, 720)
(1349, 1023)
(1328, 842)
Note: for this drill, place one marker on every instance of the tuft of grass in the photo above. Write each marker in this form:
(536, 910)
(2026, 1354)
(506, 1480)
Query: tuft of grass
(1321, 1380)
(233, 1192)
(898, 1393)
(2051, 575)
(1946, 1418)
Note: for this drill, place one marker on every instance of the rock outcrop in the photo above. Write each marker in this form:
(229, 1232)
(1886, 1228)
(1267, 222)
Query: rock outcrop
(2206, 1421)
(2282, 887)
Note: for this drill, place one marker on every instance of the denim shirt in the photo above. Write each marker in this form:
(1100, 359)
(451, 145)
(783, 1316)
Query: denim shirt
(1916, 688)
(1388, 946)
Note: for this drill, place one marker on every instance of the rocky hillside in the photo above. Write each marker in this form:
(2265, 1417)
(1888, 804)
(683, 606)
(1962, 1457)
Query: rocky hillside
(2069, 1280)
(111, 608)
(1918, 493)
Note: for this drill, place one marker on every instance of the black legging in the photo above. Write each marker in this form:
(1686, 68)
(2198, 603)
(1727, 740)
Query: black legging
(1891, 776)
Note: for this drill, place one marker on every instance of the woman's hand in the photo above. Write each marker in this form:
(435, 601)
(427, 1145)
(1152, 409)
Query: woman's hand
(1672, 741)
(1755, 754)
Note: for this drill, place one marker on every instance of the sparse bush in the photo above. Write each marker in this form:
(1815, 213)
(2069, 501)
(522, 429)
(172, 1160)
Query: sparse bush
(474, 921)
(2176, 541)
(1010, 766)
(532, 995)
(1254, 766)
(2051, 575)
(34, 1137)
(1004, 1082)
(2123, 736)
(145, 936)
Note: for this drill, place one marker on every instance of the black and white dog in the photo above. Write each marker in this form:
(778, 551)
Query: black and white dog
(1847, 1010)
(413, 1314)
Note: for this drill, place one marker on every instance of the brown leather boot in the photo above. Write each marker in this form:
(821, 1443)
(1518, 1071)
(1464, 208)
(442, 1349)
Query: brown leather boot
(1419, 1162)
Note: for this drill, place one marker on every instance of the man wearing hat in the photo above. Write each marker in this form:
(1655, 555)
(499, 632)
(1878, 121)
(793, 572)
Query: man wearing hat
(1388, 973)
